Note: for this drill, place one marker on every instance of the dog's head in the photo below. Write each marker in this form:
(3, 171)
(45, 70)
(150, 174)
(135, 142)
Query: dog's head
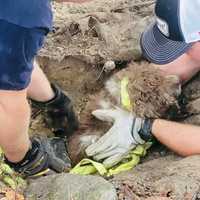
(153, 94)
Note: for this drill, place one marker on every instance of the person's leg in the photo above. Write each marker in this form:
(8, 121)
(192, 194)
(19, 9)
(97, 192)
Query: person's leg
(18, 47)
(40, 88)
(14, 118)
(15, 70)
(54, 103)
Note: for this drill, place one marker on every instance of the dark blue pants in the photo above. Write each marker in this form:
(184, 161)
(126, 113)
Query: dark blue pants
(18, 47)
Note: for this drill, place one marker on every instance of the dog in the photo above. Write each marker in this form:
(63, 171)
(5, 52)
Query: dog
(151, 94)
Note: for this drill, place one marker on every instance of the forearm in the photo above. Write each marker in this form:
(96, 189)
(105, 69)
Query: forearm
(183, 67)
(182, 139)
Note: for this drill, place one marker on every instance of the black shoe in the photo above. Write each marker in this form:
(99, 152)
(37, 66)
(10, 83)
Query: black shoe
(45, 156)
(59, 113)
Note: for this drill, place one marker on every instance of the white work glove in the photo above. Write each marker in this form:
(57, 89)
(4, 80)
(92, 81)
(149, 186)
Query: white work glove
(119, 140)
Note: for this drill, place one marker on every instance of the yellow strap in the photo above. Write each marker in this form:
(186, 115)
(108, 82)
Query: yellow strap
(125, 166)
(125, 100)
(42, 173)
(87, 166)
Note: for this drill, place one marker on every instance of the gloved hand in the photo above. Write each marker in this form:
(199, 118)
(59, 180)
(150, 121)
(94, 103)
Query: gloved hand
(119, 140)
(59, 113)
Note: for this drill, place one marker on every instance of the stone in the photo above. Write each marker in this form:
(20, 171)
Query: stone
(68, 187)
(174, 178)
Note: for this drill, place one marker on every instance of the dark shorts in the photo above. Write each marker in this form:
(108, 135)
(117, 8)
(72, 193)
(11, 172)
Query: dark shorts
(18, 47)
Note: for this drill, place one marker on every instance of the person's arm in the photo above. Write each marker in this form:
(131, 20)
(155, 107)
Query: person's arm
(128, 131)
(184, 67)
(180, 138)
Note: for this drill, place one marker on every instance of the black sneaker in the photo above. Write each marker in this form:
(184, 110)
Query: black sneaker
(46, 156)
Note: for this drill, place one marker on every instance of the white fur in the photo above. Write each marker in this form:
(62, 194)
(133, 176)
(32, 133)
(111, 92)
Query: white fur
(113, 88)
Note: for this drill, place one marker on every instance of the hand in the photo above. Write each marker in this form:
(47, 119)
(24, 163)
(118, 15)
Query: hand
(119, 140)
(58, 113)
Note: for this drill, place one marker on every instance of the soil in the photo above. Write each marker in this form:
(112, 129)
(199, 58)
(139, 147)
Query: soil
(73, 58)
(80, 81)
(77, 78)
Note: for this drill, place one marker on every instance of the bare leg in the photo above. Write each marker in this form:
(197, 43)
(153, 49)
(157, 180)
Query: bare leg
(15, 114)
(56, 106)
(14, 118)
(39, 88)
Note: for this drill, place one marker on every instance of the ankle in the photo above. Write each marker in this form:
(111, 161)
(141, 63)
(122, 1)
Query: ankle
(30, 155)
(55, 92)
(19, 154)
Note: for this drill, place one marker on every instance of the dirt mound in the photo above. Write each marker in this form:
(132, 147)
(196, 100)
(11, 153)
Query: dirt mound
(98, 31)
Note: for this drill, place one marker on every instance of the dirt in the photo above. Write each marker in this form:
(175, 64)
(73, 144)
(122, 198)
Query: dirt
(77, 78)
(84, 38)
(99, 31)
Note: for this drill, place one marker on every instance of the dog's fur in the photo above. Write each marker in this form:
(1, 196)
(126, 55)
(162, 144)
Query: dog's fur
(151, 93)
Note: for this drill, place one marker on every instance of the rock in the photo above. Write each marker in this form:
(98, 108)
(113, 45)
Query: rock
(173, 178)
(68, 187)
(109, 66)
(191, 92)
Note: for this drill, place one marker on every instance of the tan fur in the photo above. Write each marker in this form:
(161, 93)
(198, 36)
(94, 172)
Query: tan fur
(151, 95)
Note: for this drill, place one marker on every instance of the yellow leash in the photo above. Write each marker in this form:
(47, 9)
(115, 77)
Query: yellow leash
(88, 166)
(125, 100)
